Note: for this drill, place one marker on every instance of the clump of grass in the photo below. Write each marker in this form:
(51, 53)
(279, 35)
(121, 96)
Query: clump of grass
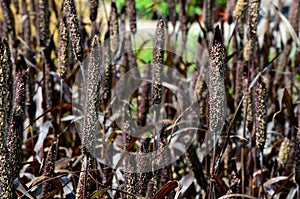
(41, 47)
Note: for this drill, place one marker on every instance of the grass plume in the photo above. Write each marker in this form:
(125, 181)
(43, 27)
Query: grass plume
(158, 61)
(261, 113)
(43, 21)
(73, 27)
(131, 10)
(63, 58)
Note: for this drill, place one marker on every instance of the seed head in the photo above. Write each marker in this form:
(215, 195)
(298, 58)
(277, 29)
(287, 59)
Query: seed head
(15, 132)
(6, 80)
(261, 112)
(131, 10)
(253, 18)
(284, 151)
(8, 17)
(63, 48)
(6, 90)
(216, 83)
(246, 50)
(26, 31)
(240, 8)
(43, 22)
(114, 29)
(158, 57)
(73, 27)
(91, 102)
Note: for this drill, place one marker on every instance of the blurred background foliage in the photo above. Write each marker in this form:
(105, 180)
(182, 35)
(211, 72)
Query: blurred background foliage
(148, 9)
